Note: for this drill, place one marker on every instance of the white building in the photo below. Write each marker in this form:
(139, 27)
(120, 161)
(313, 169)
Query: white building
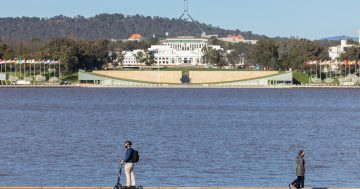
(181, 51)
(336, 51)
(130, 58)
(251, 42)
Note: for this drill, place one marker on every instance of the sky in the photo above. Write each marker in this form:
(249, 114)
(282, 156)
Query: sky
(312, 19)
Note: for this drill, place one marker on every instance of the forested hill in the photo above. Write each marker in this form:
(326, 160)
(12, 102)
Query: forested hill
(104, 26)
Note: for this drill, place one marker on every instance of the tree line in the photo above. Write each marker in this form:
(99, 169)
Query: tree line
(105, 26)
(268, 53)
(73, 54)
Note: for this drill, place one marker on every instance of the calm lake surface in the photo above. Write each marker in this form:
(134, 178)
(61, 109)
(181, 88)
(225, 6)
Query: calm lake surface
(185, 137)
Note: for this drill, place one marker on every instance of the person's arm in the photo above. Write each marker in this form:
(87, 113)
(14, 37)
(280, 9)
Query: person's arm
(128, 155)
(301, 164)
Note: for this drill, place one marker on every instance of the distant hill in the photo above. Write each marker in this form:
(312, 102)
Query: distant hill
(340, 37)
(104, 26)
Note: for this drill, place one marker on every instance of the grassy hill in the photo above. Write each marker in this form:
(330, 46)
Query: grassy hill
(104, 26)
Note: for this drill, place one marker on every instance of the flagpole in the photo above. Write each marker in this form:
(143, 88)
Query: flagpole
(29, 70)
(349, 69)
(1, 72)
(59, 69)
(354, 69)
(5, 74)
(34, 73)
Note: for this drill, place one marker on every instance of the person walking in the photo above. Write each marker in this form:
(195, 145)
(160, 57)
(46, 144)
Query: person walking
(300, 171)
(129, 166)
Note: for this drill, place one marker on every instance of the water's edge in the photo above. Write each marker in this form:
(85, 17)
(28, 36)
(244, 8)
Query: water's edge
(55, 187)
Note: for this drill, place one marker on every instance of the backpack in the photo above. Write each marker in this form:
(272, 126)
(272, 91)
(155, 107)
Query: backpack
(135, 156)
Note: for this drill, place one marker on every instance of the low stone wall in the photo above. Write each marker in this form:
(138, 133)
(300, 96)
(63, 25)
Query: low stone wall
(39, 187)
(199, 77)
(171, 77)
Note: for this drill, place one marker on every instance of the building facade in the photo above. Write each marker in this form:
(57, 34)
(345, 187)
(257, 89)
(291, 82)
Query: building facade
(336, 51)
(130, 58)
(181, 51)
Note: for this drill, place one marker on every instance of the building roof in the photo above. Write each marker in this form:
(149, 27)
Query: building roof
(135, 37)
(236, 37)
(233, 38)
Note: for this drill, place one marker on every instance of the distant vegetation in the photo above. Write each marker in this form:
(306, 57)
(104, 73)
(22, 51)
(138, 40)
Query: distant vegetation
(104, 26)
(83, 43)
(92, 55)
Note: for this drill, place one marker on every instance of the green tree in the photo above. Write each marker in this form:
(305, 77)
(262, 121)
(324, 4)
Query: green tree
(4, 51)
(212, 57)
(223, 58)
(265, 53)
(149, 58)
(120, 58)
(112, 58)
(233, 57)
(22, 52)
(8, 54)
(353, 53)
(294, 52)
(139, 57)
(65, 50)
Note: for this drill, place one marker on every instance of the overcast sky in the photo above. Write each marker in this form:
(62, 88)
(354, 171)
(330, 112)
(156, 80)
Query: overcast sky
(312, 19)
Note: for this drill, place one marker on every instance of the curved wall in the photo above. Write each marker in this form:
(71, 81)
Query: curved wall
(198, 77)
(171, 77)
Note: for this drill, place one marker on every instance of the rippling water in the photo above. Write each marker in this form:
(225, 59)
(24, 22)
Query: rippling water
(186, 137)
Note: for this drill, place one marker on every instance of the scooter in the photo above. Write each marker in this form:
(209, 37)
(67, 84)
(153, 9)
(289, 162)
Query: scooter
(118, 184)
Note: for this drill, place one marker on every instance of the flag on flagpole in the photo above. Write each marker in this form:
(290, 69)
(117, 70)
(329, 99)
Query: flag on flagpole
(40, 62)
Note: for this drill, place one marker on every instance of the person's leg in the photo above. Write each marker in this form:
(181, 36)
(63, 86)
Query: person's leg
(302, 181)
(128, 168)
(298, 183)
(132, 175)
(294, 183)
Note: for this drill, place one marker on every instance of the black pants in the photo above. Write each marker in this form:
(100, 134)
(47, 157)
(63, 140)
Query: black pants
(299, 182)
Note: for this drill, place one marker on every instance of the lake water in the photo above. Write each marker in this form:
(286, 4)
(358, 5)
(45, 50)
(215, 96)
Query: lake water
(185, 137)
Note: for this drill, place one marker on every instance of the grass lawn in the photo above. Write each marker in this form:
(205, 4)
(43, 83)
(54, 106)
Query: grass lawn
(300, 77)
(71, 76)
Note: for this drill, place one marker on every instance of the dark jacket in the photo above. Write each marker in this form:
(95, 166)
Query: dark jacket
(300, 166)
(128, 156)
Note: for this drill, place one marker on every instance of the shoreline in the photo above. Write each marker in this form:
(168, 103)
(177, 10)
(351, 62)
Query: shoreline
(97, 187)
(184, 86)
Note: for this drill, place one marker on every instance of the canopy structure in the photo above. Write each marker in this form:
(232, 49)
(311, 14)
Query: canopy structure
(20, 71)
(346, 72)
